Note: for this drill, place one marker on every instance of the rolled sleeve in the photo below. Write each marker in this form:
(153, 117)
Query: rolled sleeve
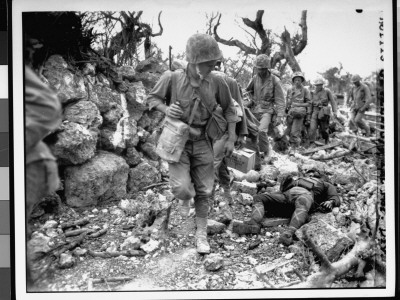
(161, 91)
(333, 101)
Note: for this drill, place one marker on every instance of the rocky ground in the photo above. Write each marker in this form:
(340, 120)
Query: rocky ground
(134, 251)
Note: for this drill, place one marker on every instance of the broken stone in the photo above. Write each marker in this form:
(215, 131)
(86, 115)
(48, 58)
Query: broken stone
(214, 227)
(150, 246)
(50, 224)
(69, 86)
(102, 178)
(269, 172)
(66, 261)
(51, 232)
(273, 222)
(323, 230)
(38, 245)
(75, 144)
(245, 199)
(213, 262)
(244, 187)
(142, 175)
(79, 251)
(84, 113)
(131, 243)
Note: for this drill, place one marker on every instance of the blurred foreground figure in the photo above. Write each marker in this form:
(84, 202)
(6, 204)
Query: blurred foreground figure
(42, 115)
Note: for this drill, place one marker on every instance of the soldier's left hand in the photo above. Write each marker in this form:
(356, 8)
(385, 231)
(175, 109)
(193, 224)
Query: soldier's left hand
(228, 148)
(240, 141)
(327, 204)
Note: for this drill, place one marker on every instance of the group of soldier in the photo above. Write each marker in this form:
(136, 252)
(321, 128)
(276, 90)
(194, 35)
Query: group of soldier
(203, 162)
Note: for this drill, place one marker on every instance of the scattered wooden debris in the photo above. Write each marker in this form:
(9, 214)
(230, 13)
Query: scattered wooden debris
(128, 253)
(329, 146)
(98, 233)
(80, 222)
(78, 232)
(92, 281)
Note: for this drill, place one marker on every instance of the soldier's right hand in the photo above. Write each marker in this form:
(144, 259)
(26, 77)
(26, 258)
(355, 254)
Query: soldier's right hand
(174, 111)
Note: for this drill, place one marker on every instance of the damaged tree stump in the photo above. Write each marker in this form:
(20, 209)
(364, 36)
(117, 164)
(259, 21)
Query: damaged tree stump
(343, 244)
(329, 272)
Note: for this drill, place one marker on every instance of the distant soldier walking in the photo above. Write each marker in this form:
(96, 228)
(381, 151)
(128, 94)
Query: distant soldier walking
(321, 111)
(360, 99)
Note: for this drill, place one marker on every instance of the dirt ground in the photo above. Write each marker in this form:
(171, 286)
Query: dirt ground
(175, 264)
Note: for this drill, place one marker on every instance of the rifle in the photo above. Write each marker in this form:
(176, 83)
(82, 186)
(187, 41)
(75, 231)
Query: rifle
(170, 58)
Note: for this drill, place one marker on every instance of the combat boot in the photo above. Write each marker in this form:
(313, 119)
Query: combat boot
(202, 245)
(258, 212)
(184, 208)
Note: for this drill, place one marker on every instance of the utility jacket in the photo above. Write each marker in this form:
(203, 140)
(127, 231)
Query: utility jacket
(323, 98)
(213, 89)
(268, 96)
(360, 97)
(241, 126)
(42, 115)
(298, 98)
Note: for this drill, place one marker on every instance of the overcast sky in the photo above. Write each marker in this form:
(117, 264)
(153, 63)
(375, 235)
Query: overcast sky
(336, 32)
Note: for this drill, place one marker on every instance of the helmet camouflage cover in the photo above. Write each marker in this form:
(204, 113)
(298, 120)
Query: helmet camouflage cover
(202, 47)
(318, 81)
(355, 78)
(298, 74)
(262, 61)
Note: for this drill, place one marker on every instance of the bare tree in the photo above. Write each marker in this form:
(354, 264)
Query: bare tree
(122, 34)
(288, 47)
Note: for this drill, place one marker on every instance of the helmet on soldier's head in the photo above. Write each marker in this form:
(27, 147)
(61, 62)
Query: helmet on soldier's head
(202, 47)
(355, 78)
(298, 74)
(318, 81)
(262, 62)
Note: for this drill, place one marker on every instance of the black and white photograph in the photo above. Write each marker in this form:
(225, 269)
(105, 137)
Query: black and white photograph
(203, 149)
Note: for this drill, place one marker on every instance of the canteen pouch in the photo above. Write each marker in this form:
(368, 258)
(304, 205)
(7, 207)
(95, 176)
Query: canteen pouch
(216, 125)
(298, 112)
(172, 140)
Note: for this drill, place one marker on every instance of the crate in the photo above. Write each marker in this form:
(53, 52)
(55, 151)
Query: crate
(242, 160)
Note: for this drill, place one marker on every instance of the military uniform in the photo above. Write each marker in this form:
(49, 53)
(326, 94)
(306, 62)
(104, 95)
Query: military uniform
(295, 201)
(360, 98)
(298, 102)
(321, 113)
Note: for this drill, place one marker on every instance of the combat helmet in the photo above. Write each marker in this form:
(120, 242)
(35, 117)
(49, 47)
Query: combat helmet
(202, 47)
(262, 62)
(298, 74)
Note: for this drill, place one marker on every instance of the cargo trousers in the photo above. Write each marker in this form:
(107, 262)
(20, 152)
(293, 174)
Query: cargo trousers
(321, 124)
(193, 175)
(294, 204)
(357, 121)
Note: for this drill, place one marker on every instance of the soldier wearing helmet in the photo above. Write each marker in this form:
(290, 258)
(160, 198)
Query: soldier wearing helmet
(298, 107)
(321, 111)
(175, 95)
(268, 103)
(360, 99)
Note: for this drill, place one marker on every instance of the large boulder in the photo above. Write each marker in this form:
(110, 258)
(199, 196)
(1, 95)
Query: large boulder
(127, 73)
(141, 176)
(75, 144)
(122, 137)
(113, 117)
(104, 97)
(84, 113)
(70, 87)
(151, 65)
(133, 157)
(151, 120)
(102, 178)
